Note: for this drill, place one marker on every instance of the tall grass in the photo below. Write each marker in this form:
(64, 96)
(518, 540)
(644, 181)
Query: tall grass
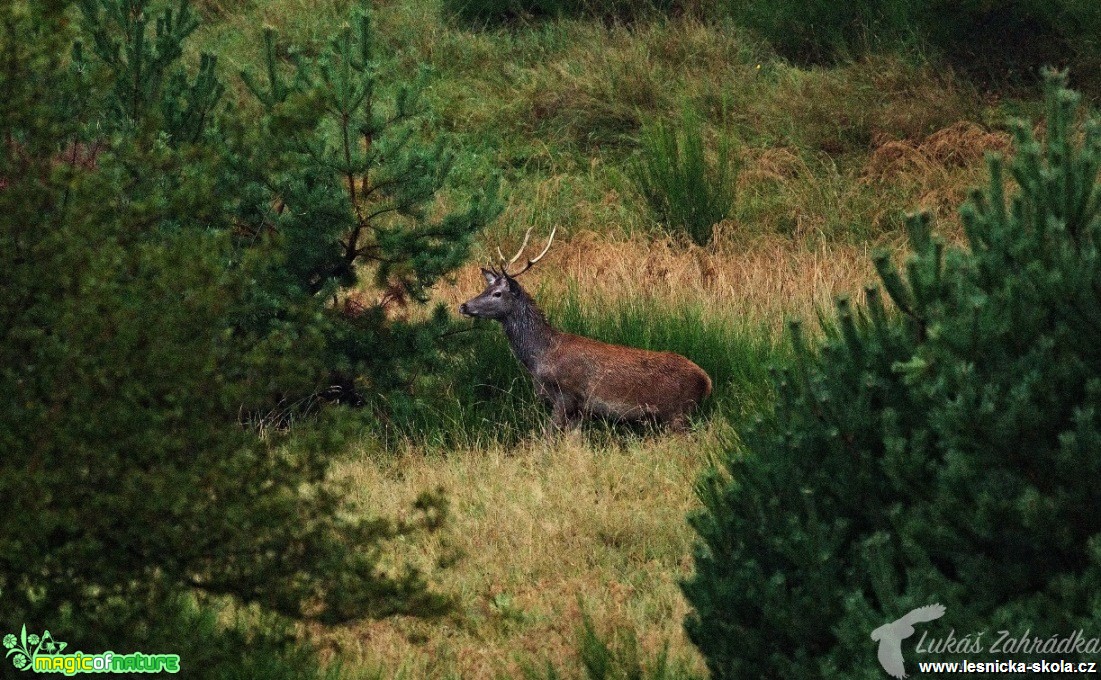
(486, 398)
(615, 657)
(687, 191)
(543, 534)
(825, 31)
(737, 356)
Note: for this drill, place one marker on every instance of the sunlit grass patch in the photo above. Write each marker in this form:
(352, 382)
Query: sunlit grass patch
(542, 533)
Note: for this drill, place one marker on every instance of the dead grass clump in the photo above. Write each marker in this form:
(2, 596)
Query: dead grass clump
(893, 157)
(778, 164)
(939, 169)
(963, 143)
(959, 145)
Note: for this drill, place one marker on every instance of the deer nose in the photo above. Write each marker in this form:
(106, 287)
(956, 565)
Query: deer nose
(462, 310)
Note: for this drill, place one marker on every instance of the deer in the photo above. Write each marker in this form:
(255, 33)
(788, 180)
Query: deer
(581, 377)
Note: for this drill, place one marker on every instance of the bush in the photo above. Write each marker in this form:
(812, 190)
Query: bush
(499, 11)
(944, 453)
(340, 173)
(1001, 41)
(327, 180)
(687, 191)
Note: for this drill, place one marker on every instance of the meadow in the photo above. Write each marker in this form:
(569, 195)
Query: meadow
(546, 536)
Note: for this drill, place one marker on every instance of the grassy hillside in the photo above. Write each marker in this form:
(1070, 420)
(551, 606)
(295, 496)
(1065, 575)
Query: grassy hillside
(829, 161)
(558, 107)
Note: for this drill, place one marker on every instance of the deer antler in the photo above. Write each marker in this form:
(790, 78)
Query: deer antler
(527, 236)
(506, 265)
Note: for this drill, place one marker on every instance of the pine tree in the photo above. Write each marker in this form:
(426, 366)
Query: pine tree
(944, 451)
(138, 325)
(348, 186)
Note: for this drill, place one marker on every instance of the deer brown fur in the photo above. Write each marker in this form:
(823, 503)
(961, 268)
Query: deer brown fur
(581, 377)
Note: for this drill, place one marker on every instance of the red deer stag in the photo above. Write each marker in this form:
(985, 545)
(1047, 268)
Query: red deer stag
(580, 376)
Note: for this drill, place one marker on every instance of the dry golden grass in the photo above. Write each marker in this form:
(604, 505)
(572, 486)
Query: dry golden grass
(940, 169)
(761, 280)
(542, 531)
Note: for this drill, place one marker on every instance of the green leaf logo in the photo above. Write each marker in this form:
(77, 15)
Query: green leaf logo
(25, 648)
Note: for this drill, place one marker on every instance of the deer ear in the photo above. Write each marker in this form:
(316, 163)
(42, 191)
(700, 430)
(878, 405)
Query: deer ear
(491, 276)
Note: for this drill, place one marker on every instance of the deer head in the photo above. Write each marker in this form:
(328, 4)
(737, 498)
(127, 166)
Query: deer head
(503, 295)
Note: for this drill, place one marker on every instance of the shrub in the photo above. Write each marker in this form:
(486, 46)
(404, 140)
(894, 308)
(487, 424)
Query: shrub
(687, 191)
(943, 453)
(499, 11)
(1001, 41)
(331, 181)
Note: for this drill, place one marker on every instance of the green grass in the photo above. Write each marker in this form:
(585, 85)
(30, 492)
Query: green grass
(489, 12)
(559, 109)
(687, 191)
(488, 399)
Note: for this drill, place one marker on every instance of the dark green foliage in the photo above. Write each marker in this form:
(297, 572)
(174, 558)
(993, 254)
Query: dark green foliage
(498, 11)
(1000, 41)
(348, 187)
(214, 641)
(1012, 40)
(947, 452)
(140, 324)
(824, 31)
(150, 86)
(687, 191)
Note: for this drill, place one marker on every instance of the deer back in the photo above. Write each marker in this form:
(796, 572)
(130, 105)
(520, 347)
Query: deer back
(619, 381)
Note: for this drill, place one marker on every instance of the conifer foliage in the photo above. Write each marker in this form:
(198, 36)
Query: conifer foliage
(168, 266)
(945, 451)
(349, 188)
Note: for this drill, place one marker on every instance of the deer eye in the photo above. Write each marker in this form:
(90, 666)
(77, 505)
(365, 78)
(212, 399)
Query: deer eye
(497, 294)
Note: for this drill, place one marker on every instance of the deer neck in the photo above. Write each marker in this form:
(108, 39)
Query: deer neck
(529, 335)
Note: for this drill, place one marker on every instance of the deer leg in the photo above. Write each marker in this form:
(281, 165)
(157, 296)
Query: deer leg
(678, 423)
(563, 417)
